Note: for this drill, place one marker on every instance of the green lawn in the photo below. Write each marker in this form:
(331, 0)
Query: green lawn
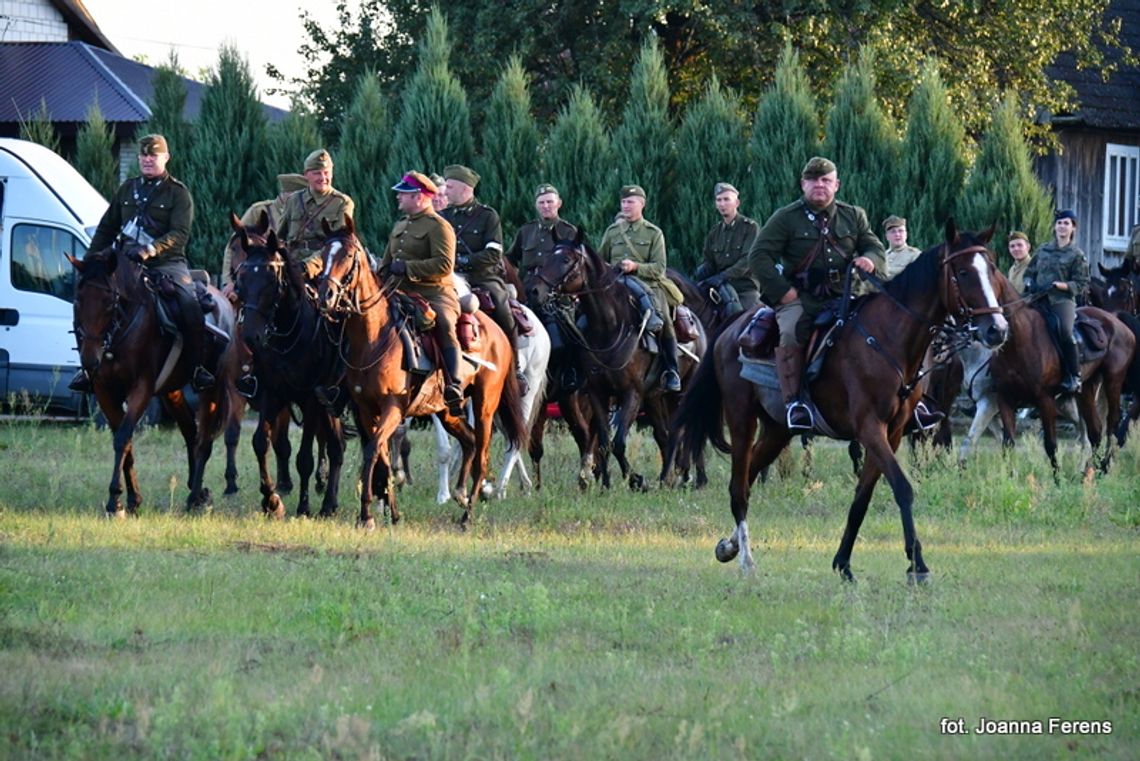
(564, 625)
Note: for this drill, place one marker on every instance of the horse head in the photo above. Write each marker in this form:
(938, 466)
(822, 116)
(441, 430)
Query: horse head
(261, 283)
(108, 284)
(1120, 290)
(567, 270)
(971, 282)
(345, 270)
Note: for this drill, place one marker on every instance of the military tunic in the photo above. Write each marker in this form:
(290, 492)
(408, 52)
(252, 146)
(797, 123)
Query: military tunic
(644, 243)
(300, 227)
(726, 252)
(535, 240)
(1017, 274)
(788, 238)
(898, 259)
(426, 244)
(273, 208)
(1052, 263)
(479, 254)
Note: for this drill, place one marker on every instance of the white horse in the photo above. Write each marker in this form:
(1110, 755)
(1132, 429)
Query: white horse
(977, 383)
(532, 357)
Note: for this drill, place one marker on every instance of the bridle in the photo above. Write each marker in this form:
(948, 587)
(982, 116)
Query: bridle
(269, 317)
(952, 291)
(121, 322)
(345, 297)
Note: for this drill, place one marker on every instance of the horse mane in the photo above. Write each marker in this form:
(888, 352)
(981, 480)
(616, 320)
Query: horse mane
(919, 275)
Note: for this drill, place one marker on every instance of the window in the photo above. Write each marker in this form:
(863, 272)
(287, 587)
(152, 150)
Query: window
(1121, 195)
(38, 261)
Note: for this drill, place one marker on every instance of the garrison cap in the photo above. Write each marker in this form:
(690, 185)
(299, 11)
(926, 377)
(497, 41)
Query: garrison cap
(545, 188)
(151, 145)
(632, 190)
(1017, 235)
(724, 187)
(817, 166)
(894, 221)
(437, 179)
(415, 182)
(289, 183)
(318, 159)
(1060, 214)
(464, 174)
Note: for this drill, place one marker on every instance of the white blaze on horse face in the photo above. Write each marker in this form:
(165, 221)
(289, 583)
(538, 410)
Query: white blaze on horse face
(982, 265)
(334, 249)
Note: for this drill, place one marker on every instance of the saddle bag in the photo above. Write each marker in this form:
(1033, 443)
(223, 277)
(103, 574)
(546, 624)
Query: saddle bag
(467, 330)
(1093, 332)
(685, 325)
(486, 303)
(420, 309)
(521, 319)
(760, 336)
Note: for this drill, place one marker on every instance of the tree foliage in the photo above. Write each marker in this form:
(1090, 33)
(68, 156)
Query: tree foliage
(95, 157)
(361, 160)
(580, 163)
(711, 145)
(511, 162)
(785, 134)
(167, 106)
(288, 142)
(1002, 188)
(38, 128)
(862, 141)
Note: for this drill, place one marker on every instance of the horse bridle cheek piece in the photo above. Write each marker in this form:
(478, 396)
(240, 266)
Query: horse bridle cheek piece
(952, 293)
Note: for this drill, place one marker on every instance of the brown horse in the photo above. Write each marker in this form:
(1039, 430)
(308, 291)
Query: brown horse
(865, 390)
(385, 393)
(130, 360)
(616, 366)
(1027, 372)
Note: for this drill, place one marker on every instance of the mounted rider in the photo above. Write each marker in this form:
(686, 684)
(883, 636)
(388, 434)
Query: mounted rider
(300, 227)
(150, 217)
(724, 268)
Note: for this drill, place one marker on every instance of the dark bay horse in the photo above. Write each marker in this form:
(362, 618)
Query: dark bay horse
(865, 390)
(1117, 290)
(385, 393)
(292, 353)
(130, 359)
(1027, 372)
(609, 347)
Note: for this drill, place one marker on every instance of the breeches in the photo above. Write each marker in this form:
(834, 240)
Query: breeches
(1066, 314)
(794, 323)
(502, 314)
(446, 308)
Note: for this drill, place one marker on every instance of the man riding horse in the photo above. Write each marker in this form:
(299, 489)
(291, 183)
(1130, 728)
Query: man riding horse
(150, 216)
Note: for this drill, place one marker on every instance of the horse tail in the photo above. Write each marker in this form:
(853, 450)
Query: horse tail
(700, 416)
(510, 410)
(1132, 379)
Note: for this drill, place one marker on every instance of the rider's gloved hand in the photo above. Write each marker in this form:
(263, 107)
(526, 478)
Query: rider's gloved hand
(398, 267)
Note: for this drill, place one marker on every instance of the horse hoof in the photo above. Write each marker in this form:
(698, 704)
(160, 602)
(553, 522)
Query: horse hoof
(637, 483)
(487, 490)
(367, 526)
(273, 507)
(917, 578)
(284, 487)
(115, 515)
(726, 550)
(230, 490)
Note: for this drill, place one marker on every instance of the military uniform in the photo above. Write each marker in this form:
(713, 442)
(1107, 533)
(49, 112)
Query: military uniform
(1017, 274)
(301, 227)
(1133, 251)
(479, 255)
(726, 255)
(535, 240)
(1055, 263)
(426, 244)
(789, 236)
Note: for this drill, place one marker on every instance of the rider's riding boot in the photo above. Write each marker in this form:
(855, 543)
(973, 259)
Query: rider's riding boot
(925, 417)
(1072, 367)
(670, 378)
(202, 379)
(790, 371)
(569, 380)
(452, 392)
(653, 321)
(81, 383)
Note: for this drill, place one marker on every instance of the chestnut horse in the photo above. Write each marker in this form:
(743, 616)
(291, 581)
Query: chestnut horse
(130, 359)
(865, 390)
(385, 392)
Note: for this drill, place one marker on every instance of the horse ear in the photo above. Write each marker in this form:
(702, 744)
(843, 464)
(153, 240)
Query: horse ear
(263, 222)
(951, 231)
(271, 241)
(985, 236)
(349, 225)
(235, 223)
(580, 236)
(1103, 271)
(76, 263)
(326, 228)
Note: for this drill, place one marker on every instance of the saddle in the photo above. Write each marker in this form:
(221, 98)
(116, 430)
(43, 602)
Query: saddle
(758, 339)
(1092, 339)
(487, 304)
(415, 320)
(166, 306)
(685, 325)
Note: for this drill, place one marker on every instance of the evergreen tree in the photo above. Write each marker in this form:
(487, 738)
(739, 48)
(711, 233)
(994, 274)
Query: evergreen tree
(434, 128)
(226, 170)
(1002, 188)
(167, 107)
(95, 156)
(711, 142)
(863, 142)
(643, 142)
(511, 149)
(934, 161)
(580, 163)
(360, 161)
(39, 129)
(785, 134)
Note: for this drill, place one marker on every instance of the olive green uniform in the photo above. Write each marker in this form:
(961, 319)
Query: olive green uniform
(644, 243)
(479, 255)
(1052, 263)
(301, 229)
(787, 239)
(898, 258)
(426, 244)
(726, 253)
(1017, 274)
(535, 240)
(274, 209)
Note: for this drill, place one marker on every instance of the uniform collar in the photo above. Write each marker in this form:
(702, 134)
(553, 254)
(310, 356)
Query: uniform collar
(319, 196)
(469, 206)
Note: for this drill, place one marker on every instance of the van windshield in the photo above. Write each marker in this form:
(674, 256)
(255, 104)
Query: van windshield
(38, 263)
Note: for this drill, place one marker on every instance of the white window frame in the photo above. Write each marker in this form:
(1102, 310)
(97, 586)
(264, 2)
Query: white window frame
(1121, 195)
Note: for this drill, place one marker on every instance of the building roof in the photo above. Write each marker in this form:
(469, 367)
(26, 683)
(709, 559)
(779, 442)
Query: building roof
(82, 24)
(1114, 104)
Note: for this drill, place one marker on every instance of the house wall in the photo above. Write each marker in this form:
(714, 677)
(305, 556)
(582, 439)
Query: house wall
(31, 21)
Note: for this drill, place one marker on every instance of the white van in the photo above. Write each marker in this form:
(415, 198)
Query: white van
(47, 210)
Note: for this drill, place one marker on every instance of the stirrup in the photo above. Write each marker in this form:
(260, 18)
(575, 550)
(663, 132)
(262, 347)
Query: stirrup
(924, 418)
(326, 396)
(1071, 385)
(652, 320)
(569, 379)
(81, 383)
(453, 398)
(671, 380)
(246, 385)
(800, 417)
(203, 379)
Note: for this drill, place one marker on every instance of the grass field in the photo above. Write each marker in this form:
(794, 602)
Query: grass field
(565, 625)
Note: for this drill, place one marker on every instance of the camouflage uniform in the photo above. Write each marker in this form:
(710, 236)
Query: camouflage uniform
(1052, 263)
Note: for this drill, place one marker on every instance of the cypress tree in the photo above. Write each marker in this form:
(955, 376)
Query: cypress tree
(39, 129)
(434, 128)
(511, 149)
(785, 134)
(580, 163)
(95, 152)
(167, 106)
(933, 161)
(711, 142)
(361, 158)
(644, 141)
(225, 171)
(862, 141)
(288, 142)
(1002, 187)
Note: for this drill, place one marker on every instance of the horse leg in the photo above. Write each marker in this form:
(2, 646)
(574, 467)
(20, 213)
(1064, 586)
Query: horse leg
(1048, 409)
(208, 409)
(232, 438)
(271, 504)
(749, 458)
(881, 454)
(176, 404)
(306, 463)
(123, 424)
(600, 426)
(333, 436)
(627, 413)
(462, 432)
(131, 479)
(984, 412)
(442, 460)
(534, 445)
(283, 449)
(868, 477)
(370, 452)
